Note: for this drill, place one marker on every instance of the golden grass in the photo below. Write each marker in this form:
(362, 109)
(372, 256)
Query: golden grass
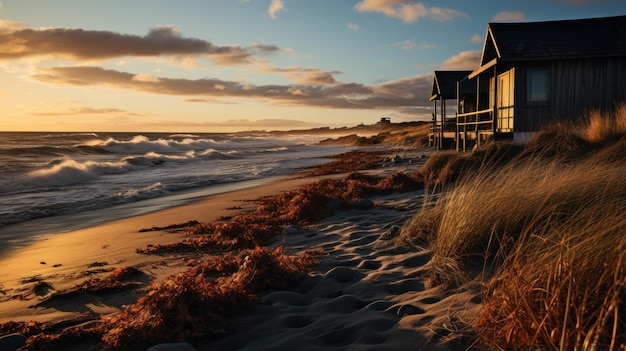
(444, 168)
(485, 214)
(605, 126)
(561, 280)
(544, 227)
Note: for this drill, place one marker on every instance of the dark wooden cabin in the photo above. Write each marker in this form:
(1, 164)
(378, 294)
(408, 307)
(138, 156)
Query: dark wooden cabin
(539, 72)
(443, 129)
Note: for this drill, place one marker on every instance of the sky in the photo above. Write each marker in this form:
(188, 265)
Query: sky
(236, 65)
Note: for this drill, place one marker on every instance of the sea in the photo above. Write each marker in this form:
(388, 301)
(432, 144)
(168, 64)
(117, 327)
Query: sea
(58, 182)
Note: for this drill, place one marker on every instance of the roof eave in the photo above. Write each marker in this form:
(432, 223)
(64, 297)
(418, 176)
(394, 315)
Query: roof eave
(483, 68)
(495, 61)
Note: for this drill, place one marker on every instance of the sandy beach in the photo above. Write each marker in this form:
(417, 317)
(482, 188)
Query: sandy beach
(62, 260)
(366, 293)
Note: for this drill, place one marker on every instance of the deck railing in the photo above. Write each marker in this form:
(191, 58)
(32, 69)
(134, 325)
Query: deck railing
(475, 126)
(478, 118)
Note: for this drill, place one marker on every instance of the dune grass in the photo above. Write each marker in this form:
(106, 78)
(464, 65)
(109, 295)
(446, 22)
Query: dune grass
(562, 285)
(543, 225)
(600, 127)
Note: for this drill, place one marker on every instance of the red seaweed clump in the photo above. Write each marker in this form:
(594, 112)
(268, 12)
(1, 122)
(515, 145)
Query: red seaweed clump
(350, 161)
(308, 204)
(198, 304)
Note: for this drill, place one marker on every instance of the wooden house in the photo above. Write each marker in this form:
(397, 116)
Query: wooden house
(539, 72)
(443, 128)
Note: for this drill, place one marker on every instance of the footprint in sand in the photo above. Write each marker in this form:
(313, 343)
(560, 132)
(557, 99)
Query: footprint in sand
(344, 274)
(42, 288)
(295, 321)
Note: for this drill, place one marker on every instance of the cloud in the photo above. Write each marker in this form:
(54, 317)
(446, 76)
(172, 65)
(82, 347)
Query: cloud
(465, 60)
(406, 45)
(353, 26)
(211, 101)
(81, 111)
(89, 45)
(238, 124)
(425, 45)
(476, 38)
(300, 75)
(409, 45)
(275, 7)
(408, 11)
(506, 16)
(393, 94)
(145, 78)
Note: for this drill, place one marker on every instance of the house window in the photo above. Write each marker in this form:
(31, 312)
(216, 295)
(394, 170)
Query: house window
(537, 85)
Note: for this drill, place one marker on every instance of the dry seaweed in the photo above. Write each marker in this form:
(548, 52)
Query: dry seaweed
(195, 305)
(308, 204)
(349, 162)
(116, 281)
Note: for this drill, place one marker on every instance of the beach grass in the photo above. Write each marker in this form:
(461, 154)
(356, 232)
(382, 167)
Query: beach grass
(543, 230)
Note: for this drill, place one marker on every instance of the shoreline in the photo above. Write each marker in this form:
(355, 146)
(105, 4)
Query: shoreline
(385, 294)
(61, 257)
(41, 228)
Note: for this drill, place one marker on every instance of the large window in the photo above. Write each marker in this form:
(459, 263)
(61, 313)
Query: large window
(537, 85)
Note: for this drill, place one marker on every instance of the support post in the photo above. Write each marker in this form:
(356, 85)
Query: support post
(457, 136)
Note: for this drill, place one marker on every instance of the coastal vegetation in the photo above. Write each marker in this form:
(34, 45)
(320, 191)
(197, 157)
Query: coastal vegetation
(541, 227)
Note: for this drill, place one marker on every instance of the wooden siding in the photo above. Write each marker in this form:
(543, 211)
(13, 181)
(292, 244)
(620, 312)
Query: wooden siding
(576, 86)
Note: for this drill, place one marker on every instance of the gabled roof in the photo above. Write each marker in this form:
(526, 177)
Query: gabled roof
(444, 84)
(590, 37)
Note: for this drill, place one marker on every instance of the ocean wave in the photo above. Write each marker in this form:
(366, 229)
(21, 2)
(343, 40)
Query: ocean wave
(184, 136)
(143, 144)
(277, 149)
(45, 150)
(151, 191)
(69, 172)
(156, 159)
(70, 135)
(216, 154)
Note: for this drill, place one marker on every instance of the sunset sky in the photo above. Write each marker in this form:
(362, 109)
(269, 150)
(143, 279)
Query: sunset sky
(226, 65)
